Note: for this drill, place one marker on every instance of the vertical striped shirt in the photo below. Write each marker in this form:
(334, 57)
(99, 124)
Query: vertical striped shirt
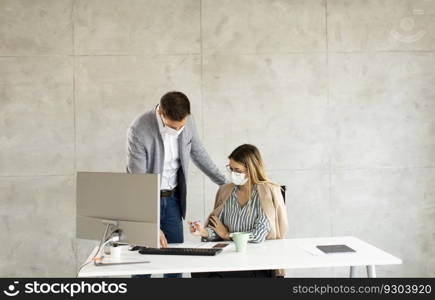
(249, 218)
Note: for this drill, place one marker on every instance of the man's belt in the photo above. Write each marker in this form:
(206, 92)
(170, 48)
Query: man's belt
(167, 193)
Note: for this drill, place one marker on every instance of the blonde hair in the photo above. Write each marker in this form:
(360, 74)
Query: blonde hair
(249, 156)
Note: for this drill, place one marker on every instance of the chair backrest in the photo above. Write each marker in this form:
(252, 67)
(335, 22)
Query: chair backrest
(283, 190)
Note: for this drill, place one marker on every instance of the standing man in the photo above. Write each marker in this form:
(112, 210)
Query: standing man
(162, 141)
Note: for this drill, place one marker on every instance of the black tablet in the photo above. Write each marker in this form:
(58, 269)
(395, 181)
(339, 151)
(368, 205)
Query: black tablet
(335, 248)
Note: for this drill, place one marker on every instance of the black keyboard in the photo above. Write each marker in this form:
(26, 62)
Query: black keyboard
(180, 251)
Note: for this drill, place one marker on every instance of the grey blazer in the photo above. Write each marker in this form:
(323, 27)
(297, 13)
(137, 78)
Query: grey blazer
(145, 152)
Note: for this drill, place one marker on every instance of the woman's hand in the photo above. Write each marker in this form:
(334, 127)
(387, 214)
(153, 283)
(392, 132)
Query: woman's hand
(197, 229)
(219, 228)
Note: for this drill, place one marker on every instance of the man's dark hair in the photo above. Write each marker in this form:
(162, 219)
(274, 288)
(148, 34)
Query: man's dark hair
(175, 106)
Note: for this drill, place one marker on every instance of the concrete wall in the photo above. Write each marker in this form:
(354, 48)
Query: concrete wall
(339, 96)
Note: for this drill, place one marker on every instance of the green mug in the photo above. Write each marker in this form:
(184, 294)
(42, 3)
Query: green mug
(240, 240)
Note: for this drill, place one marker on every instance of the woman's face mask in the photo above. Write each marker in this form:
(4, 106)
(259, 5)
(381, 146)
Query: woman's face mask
(238, 178)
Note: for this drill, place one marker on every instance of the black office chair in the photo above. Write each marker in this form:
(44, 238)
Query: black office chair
(283, 190)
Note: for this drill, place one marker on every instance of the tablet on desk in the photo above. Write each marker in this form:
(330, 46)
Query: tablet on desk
(220, 245)
(335, 249)
(225, 246)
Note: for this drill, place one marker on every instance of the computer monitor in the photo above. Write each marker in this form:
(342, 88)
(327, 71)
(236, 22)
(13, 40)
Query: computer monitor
(130, 201)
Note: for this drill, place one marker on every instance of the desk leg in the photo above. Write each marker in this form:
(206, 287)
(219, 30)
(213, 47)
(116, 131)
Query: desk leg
(371, 272)
(352, 271)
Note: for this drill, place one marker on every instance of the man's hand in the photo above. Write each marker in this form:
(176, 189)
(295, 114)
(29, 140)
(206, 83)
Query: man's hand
(163, 241)
(219, 228)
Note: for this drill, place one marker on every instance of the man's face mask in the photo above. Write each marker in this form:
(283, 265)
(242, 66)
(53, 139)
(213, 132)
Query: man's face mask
(170, 130)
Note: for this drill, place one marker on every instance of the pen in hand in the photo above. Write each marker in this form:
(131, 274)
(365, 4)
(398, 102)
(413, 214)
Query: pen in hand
(192, 225)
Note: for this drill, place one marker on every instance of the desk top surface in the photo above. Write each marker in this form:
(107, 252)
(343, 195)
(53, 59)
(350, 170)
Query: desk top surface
(271, 254)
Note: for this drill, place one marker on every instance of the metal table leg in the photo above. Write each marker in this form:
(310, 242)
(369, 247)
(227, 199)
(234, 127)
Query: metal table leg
(352, 271)
(371, 271)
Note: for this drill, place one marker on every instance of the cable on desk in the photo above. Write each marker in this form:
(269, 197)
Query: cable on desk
(101, 245)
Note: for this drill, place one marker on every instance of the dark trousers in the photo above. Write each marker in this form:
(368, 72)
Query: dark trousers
(171, 224)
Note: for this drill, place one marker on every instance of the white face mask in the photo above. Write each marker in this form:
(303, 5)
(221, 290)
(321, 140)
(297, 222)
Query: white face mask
(238, 178)
(172, 131)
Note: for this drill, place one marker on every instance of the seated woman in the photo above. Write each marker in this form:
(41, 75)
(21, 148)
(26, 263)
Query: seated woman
(250, 203)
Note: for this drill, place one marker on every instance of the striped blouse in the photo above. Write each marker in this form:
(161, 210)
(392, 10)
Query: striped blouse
(249, 218)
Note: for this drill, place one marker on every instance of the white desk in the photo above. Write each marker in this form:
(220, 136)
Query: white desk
(272, 254)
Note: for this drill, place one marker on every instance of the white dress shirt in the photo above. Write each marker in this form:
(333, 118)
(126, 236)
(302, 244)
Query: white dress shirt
(172, 157)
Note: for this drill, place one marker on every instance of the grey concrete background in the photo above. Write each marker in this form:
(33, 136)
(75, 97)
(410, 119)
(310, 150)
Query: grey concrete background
(339, 96)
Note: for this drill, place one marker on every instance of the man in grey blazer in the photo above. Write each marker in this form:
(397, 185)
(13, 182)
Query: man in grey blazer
(162, 141)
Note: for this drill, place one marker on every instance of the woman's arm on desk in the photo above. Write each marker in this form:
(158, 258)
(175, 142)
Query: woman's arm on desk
(218, 228)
